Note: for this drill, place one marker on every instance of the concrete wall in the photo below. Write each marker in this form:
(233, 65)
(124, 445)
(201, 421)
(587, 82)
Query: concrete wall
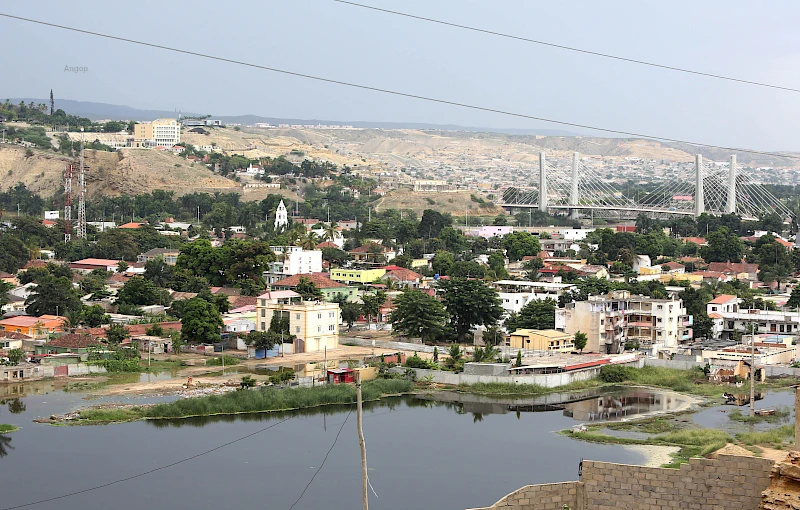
(400, 346)
(679, 364)
(546, 380)
(550, 496)
(722, 484)
(773, 371)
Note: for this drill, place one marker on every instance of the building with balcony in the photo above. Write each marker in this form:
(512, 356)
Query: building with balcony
(170, 255)
(314, 325)
(514, 295)
(612, 320)
(730, 320)
(361, 276)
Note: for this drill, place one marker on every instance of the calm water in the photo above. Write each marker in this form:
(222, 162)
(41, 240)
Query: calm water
(421, 455)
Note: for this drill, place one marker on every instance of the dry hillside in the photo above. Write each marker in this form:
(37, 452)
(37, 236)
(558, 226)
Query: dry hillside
(455, 203)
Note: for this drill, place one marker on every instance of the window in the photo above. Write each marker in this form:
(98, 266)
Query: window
(297, 329)
(660, 307)
(332, 327)
(263, 326)
(331, 314)
(319, 329)
(263, 313)
(297, 316)
(319, 316)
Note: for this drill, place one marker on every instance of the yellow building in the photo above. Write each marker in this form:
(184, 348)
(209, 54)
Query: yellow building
(160, 132)
(314, 324)
(541, 340)
(693, 279)
(356, 275)
(654, 270)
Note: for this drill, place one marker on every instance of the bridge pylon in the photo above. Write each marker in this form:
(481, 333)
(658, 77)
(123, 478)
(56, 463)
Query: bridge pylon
(542, 182)
(699, 201)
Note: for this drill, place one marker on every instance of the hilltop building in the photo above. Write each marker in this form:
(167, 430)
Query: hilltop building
(159, 133)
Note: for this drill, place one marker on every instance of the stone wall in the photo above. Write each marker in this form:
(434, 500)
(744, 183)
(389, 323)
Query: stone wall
(704, 484)
(549, 496)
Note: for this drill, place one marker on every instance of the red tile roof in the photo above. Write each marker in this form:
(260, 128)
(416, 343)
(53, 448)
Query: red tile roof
(733, 267)
(321, 281)
(722, 299)
(13, 335)
(715, 315)
(326, 244)
(242, 301)
(673, 265)
(96, 262)
(73, 341)
(366, 248)
(404, 275)
(131, 224)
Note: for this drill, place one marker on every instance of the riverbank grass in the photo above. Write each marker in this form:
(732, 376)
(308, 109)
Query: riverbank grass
(5, 428)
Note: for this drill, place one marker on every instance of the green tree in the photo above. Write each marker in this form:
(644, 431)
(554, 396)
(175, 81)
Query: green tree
(537, 314)
(201, 322)
(470, 303)
(140, 292)
(15, 356)
(371, 304)
(115, 244)
(13, 254)
(722, 246)
(158, 271)
(307, 289)
(581, 339)
(497, 263)
(442, 263)
(53, 295)
(350, 313)
(519, 359)
(116, 333)
(794, 298)
(418, 314)
(520, 244)
(432, 223)
(436, 354)
(95, 316)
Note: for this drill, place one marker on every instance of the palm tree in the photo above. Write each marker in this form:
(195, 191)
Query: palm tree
(72, 320)
(331, 231)
(309, 241)
(296, 233)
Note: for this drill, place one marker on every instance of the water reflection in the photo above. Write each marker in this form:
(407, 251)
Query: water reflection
(5, 445)
(15, 406)
(614, 407)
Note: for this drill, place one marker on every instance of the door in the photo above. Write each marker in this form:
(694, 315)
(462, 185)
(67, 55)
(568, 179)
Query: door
(61, 371)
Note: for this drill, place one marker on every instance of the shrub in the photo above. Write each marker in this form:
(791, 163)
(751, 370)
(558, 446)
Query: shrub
(616, 373)
(217, 361)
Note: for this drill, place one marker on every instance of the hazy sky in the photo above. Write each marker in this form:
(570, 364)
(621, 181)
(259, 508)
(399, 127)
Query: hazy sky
(752, 40)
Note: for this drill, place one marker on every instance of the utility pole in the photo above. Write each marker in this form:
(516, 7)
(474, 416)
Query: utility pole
(362, 444)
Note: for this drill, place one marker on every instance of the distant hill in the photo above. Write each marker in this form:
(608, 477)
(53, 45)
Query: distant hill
(99, 111)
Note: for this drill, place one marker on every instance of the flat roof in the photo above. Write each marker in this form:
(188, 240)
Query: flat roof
(544, 285)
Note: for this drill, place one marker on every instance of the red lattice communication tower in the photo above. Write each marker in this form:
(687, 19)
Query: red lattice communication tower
(67, 203)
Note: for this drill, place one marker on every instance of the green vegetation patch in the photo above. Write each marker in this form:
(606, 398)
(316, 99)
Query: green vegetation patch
(780, 415)
(523, 389)
(110, 415)
(267, 399)
(776, 437)
(5, 428)
(217, 361)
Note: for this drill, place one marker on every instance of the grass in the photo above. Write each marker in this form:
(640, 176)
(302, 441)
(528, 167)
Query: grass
(6, 428)
(161, 365)
(271, 399)
(217, 361)
(776, 436)
(654, 425)
(111, 415)
(780, 415)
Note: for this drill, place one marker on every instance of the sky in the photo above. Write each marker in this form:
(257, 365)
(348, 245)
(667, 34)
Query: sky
(751, 40)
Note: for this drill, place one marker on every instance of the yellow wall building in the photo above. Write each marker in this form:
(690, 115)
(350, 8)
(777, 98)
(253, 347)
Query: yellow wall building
(541, 340)
(315, 325)
(356, 275)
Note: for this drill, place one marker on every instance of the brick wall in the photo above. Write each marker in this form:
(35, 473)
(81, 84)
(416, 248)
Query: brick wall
(722, 483)
(550, 496)
(727, 482)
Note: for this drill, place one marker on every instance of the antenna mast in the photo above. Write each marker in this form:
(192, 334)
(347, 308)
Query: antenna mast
(82, 199)
(67, 203)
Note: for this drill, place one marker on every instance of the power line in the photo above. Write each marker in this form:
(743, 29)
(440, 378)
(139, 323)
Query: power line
(398, 93)
(323, 460)
(569, 48)
(146, 472)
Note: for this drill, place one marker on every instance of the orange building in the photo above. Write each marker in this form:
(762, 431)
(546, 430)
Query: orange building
(35, 327)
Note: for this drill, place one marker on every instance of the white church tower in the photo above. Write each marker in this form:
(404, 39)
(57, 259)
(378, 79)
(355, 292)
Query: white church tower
(281, 217)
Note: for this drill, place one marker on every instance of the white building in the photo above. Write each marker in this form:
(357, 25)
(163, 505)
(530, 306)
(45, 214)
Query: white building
(296, 260)
(730, 319)
(516, 294)
(282, 217)
(160, 132)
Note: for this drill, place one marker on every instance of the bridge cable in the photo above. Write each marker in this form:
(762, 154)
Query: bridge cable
(569, 48)
(395, 92)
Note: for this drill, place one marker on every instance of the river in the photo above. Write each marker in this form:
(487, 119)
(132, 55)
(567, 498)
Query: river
(421, 454)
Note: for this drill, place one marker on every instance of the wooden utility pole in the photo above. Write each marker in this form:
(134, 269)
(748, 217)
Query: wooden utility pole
(752, 371)
(362, 444)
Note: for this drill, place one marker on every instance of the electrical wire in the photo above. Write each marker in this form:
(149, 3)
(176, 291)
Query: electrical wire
(146, 472)
(569, 48)
(323, 460)
(395, 92)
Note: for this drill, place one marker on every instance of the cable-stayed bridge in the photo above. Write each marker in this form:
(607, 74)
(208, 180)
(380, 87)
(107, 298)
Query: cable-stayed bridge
(580, 189)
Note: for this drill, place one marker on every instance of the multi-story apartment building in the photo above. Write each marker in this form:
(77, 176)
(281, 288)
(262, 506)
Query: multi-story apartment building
(615, 319)
(160, 132)
(658, 322)
(296, 260)
(315, 325)
(514, 294)
(730, 319)
(602, 318)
